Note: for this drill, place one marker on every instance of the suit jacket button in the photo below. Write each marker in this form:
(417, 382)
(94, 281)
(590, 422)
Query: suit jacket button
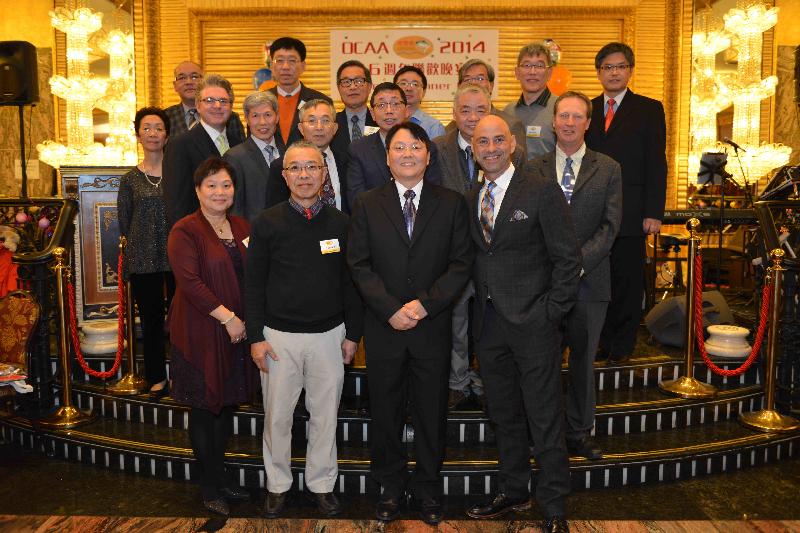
(490, 254)
(410, 281)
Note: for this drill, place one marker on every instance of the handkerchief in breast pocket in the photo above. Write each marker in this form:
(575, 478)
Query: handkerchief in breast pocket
(518, 215)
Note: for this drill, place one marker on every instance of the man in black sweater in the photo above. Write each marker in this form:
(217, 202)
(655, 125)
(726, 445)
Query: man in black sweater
(304, 319)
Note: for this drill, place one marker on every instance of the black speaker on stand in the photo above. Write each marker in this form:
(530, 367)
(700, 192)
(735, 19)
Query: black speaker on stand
(19, 86)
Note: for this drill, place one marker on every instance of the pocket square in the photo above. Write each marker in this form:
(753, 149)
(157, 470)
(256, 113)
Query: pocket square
(518, 215)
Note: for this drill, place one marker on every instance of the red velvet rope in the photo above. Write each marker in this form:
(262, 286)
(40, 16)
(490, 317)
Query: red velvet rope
(766, 297)
(73, 326)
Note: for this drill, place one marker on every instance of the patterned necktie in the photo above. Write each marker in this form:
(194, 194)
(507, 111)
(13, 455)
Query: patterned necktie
(409, 211)
(568, 180)
(308, 213)
(270, 154)
(222, 144)
(191, 118)
(327, 194)
(610, 112)
(470, 164)
(357, 134)
(487, 211)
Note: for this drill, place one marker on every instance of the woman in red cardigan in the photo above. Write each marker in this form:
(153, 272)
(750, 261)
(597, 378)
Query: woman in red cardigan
(209, 364)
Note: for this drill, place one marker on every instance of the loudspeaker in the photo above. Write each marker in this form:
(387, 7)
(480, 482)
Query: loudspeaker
(19, 82)
(667, 320)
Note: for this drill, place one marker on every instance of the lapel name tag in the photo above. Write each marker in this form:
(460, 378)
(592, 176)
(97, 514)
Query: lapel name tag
(369, 130)
(533, 132)
(331, 246)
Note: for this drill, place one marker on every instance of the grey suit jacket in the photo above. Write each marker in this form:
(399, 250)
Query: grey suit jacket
(532, 266)
(252, 176)
(453, 167)
(596, 208)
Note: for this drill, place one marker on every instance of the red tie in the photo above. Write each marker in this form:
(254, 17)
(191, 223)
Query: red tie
(308, 213)
(610, 113)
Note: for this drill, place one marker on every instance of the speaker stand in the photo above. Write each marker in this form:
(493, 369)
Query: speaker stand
(22, 163)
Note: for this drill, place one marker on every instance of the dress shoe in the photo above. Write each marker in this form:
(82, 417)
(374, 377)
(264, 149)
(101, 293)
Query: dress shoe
(387, 509)
(498, 506)
(555, 524)
(156, 395)
(429, 509)
(584, 447)
(234, 493)
(327, 502)
(218, 506)
(275, 503)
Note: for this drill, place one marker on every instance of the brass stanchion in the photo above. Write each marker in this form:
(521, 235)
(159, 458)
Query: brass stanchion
(768, 419)
(688, 386)
(130, 383)
(66, 416)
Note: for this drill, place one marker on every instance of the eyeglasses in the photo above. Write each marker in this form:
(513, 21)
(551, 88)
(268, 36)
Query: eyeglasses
(399, 148)
(483, 142)
(412, 83)
(614, 68)
(158, 129)
(313, 122)
(183, 77)
(474, 79)
(357, 82)
(211, 101)
(538, 67)
(383, 106)
(290, 61)
(296, 170)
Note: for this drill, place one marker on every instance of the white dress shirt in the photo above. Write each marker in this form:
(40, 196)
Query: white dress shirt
(499, 192)
(214, 133)
(292, 93)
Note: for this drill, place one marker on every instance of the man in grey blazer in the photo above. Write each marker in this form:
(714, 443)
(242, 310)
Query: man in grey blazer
(253, 158)
(592, 185)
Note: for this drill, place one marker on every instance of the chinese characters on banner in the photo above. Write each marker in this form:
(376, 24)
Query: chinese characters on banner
(437, 51)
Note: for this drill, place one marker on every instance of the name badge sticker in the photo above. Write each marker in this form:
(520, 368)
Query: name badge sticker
(369, 130)
(330, 246)
(533, 131)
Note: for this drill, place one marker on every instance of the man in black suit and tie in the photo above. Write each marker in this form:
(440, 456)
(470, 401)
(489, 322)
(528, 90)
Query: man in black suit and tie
(318, 127)
(367, 168)
(183, 115)
(592, 185)
(209, 137)
(355, 85)
(288, 63)
(526, 275)
(410, 255)
(631, 129)
(252, 159)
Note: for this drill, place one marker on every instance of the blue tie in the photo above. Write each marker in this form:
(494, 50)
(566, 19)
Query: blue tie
(568, 180)
(470, 164)
(409, 211)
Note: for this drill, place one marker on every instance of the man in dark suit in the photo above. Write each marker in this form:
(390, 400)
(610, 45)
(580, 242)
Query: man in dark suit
(409, 254)
(209, 137)
(368, 168)
(318, 127)
(355, 85)
(253, 158)
(183, 115)
(592, 185)
(288, 63)
(526, 275)
(630, 129)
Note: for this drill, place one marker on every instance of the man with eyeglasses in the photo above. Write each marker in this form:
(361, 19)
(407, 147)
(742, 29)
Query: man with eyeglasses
(318, 127)
(414, 83)
(304, 322)
(631, 129)
(368, 168)
(479, 72)
(535, 105)
(210, 137)
(183, 115)
(355, 121)
(288, 63)
(410, 255)
(526, 273)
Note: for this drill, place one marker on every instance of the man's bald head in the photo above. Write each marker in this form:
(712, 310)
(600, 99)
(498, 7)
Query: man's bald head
(187, 76)
(493, 146)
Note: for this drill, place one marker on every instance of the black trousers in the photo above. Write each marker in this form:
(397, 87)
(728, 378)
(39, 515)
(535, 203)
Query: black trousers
(627, 289)
(148, 292)
(397, 375)
(521, 371)
(209, 435)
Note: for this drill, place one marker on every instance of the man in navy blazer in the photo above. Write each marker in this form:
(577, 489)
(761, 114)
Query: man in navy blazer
(355, 85)
(368, 167)
(631, 129)
(592, 185)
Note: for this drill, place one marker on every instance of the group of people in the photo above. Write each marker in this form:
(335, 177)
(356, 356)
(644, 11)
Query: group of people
(319, 228)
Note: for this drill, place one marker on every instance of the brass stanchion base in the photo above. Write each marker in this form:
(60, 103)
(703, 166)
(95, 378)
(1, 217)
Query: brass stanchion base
(66, 417)
(129, 385)
(769, 421)
(687, 387)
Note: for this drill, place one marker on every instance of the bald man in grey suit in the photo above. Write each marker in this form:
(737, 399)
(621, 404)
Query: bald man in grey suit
(592, 185)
